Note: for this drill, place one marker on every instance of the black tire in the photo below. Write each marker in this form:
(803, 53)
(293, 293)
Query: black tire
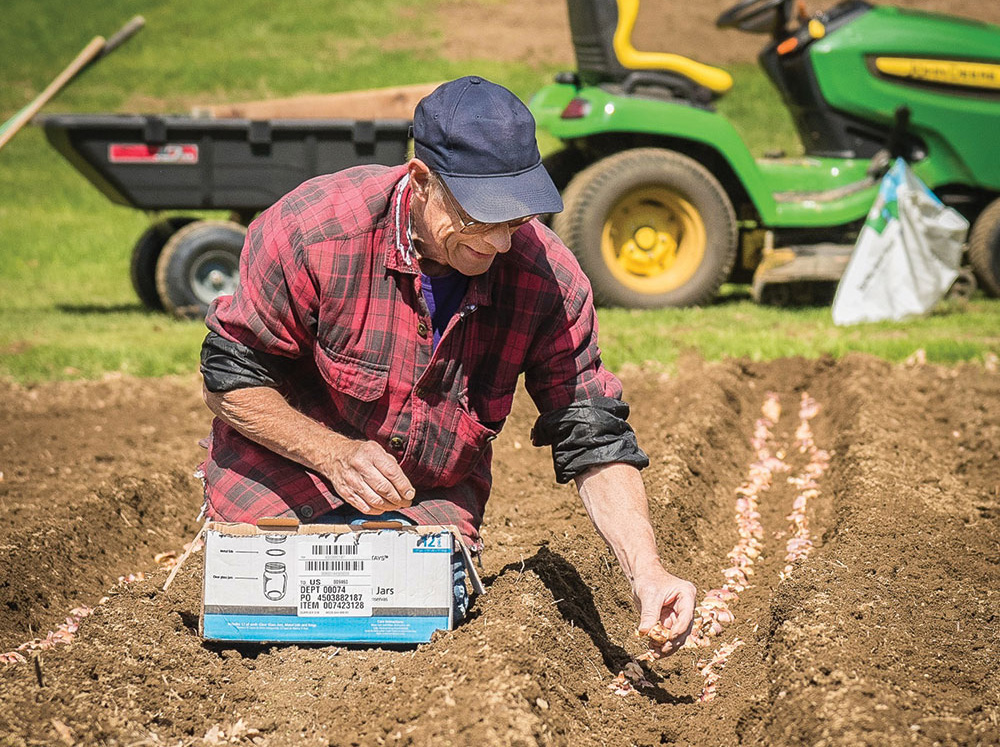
(984, 249)
(563, 165)
(964, 287)
(199, 263)
(651, 228)
(145, 254)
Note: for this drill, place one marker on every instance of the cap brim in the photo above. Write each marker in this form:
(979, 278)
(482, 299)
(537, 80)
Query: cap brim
(496, 199)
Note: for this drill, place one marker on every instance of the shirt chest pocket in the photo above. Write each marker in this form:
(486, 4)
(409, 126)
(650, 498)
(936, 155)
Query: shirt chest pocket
(354, 387)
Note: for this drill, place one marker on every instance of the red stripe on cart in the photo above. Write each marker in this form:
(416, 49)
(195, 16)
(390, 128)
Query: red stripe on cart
(175, 153)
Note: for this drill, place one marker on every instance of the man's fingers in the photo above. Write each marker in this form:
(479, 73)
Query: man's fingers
(673, 611)
(378, 479)
(351, 497)
(682, 625)
(683, 610)
(358, 491)
(398, 489)
(373, 502)
(377, 486)
(650, 609)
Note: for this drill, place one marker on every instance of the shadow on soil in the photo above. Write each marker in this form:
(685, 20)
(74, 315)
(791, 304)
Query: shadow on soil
(575, 602)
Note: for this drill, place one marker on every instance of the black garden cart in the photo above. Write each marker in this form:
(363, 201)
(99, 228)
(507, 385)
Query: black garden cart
(175, 163)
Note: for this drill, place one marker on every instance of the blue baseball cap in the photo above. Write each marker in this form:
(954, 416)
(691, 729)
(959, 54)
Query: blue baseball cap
(480, 139)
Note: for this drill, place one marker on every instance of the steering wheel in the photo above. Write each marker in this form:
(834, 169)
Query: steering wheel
(757, 16)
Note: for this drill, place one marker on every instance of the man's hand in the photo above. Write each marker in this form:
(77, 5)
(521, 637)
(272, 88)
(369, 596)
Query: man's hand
(367, 477)
(667, 601)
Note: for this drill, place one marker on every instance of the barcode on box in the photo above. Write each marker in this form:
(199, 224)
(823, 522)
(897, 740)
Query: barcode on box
(352, 566)
(334, 549)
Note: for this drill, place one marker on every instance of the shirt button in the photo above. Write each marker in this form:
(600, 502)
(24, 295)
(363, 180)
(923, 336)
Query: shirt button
(422, 329)
(396, 443)
(306, 512)
(421, 392)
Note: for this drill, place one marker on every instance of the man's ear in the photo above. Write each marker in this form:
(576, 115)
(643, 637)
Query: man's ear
(420, 176)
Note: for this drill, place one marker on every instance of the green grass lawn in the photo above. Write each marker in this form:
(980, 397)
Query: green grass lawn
(736, 327)
(67, 309)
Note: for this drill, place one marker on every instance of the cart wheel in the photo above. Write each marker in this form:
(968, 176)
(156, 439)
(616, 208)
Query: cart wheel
(650, 228)
(144, 255)
(984, 248)
(199, 263)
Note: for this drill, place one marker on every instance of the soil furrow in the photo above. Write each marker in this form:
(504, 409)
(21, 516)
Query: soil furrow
(96, 481)
(865, 643)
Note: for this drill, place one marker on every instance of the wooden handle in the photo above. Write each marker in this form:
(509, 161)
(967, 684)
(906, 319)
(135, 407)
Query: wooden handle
(277, 522)
(121, 36)
(89, 53)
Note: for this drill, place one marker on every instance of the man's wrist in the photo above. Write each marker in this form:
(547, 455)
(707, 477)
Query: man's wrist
(648, 564)
(325, 447)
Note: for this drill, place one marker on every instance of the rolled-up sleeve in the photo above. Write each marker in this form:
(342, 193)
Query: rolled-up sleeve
(588, 434)
(228, 365)
(271, 315)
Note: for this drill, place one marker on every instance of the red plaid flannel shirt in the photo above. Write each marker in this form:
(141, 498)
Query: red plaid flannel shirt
(328, 281)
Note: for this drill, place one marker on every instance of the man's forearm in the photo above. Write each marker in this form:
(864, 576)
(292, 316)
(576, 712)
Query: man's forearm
(615, 499)
(361, 472)
(265, 417)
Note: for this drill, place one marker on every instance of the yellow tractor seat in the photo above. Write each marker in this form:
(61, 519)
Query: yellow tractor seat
(714, 79)
(602, 40)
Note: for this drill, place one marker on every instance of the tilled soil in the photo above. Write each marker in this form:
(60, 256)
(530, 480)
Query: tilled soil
(887, 633)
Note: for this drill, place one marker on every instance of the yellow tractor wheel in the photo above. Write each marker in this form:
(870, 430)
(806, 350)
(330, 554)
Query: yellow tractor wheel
(651, 228)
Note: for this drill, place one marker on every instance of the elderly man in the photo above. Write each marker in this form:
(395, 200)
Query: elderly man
(370, 354)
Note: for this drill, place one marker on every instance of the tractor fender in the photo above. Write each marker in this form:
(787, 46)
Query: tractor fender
(611, 123)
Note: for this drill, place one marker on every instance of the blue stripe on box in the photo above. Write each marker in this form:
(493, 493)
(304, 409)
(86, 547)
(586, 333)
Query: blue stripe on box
(271, 628)
(432, 549)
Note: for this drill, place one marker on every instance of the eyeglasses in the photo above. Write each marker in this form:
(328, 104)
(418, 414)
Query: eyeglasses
(471, 226)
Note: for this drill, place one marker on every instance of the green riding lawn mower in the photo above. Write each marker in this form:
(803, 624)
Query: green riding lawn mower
(664, 201)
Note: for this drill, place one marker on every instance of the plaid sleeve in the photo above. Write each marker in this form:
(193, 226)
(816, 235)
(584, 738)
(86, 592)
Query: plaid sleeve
(275, 305)
(582, 416)
(564, 365)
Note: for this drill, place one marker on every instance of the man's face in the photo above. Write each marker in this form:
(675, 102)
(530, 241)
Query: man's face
(456, 240)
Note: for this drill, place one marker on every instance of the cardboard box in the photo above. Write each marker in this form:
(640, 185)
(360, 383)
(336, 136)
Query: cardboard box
(379, 582)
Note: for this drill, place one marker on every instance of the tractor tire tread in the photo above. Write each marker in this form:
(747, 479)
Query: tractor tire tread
(984, 249)
(590, 182)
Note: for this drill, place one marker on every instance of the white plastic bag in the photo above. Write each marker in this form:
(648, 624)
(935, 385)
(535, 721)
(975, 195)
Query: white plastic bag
(907, 256)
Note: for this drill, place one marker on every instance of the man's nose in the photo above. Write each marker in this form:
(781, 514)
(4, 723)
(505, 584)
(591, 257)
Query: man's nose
(498, 238)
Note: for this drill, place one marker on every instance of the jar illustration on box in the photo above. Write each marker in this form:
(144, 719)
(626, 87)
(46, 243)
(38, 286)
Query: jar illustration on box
(275, 581)
(275, 539)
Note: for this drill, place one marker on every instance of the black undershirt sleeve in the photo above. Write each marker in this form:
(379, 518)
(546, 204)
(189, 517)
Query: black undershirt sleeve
(587, 434)
(228, 365)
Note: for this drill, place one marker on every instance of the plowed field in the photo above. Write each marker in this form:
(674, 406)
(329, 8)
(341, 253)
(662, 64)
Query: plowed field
(885, 633)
